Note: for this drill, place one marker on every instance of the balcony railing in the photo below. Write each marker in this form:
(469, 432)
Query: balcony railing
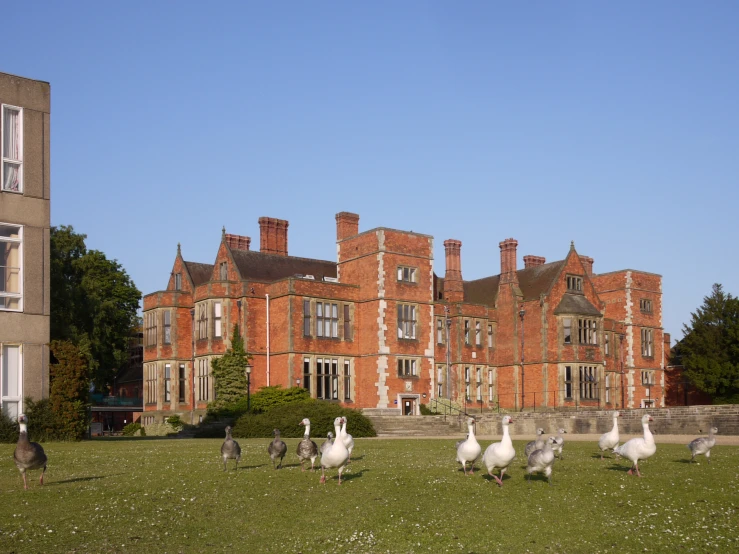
(116, 401)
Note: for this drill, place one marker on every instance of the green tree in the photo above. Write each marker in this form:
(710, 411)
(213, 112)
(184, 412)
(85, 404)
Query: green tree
(229, 372)
(709, 351)
(94, 303)
(69, 396)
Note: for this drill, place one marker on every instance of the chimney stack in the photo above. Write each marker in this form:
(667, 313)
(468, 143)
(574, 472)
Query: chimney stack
(238, 242)
(508, 261)
(587, 264)
(347, 225)
(533, 261)
(453, 287)
(273, 236)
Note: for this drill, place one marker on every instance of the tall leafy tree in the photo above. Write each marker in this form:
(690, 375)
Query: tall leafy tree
(709, 351)
(229, 371)
(94, 303)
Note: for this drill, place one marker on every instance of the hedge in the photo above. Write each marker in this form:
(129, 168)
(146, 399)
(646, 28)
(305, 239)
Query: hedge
(287, 419)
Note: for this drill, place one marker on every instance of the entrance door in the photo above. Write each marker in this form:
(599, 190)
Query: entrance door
(408, 404)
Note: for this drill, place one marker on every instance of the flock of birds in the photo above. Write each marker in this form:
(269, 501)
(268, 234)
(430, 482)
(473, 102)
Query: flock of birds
(541, 453)
(336, 453)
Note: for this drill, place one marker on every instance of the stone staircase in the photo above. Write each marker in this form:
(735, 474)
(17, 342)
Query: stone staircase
(414, 426)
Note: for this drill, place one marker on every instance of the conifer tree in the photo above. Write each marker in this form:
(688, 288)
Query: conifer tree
(229, 372)
(709, 351)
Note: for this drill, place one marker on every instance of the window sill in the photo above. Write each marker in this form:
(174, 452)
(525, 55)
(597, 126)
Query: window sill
(412, 377)
(407, 340)
(646, 357)
(12, 191)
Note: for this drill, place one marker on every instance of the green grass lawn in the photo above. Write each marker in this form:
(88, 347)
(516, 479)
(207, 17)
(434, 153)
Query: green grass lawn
(168, 495)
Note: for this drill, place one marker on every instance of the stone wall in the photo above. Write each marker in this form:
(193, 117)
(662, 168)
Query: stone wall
(682, 420)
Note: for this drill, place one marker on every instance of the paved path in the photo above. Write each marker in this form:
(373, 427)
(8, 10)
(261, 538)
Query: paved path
(728, 440)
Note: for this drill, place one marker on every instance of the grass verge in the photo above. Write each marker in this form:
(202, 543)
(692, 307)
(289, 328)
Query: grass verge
(399, 496)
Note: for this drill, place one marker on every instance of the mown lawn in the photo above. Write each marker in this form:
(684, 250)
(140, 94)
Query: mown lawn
(400, 496)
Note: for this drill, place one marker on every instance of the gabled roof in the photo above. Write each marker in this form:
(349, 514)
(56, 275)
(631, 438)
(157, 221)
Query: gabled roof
(576, 304)
(533, 281)
(259, 266)
(199, 273)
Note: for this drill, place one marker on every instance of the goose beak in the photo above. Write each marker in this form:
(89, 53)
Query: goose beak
(651, 418)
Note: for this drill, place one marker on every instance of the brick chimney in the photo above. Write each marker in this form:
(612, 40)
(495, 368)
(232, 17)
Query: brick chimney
(453, 288)
(347, 225)
(533, 261)
(273, 236)
(238, 242)
(508, 261)
(587, 264)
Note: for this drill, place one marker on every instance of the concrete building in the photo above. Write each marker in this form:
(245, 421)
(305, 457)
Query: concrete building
(379, 330)
(24, 241)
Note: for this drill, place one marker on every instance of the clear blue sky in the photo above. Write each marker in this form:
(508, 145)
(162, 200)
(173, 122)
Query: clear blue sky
(614, 125)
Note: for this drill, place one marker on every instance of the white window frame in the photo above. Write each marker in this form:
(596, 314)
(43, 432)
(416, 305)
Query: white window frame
(4, 397)
(490, 385)
(5, 160)
(217, 321)
(19, 242)
(167, 383)
(478, 333)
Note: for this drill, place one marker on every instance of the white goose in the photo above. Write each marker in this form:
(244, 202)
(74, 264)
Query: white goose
(703, 445)
(335, 456)
(638, 448)
(347, 438)
(469, 450)
(500, 454)
(537, 444)
(558, 443)
(609, 440)
(541, 461)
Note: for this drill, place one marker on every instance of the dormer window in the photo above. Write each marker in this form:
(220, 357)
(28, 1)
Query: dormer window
(645, 305)
(574, 283)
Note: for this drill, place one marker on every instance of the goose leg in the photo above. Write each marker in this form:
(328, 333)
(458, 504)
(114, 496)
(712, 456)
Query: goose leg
(708, 456)
(636, 465)
(323, 475)
(41, 480)
(301, 466)
(25, 484)
(341, 469)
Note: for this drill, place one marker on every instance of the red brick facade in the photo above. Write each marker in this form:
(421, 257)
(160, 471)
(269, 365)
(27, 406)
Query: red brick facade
(375, 329)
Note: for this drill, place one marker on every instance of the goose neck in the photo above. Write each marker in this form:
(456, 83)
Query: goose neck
(23, 428)
(647, 433)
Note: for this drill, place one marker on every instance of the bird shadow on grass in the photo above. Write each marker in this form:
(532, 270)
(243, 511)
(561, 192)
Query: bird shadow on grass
(257, 466)
(683, 461)
(355, 458)
(80, 479)
(352, 476)
(616, 467)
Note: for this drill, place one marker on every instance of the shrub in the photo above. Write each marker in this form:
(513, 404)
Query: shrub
(43, 423)
(131, 429)
(69, 395)
(8, 429)
(425, 410)
(287, 419)
(226, 411)
(271, 397)
(175, 422)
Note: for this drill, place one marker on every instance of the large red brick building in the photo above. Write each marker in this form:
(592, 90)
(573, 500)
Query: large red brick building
(379, 329)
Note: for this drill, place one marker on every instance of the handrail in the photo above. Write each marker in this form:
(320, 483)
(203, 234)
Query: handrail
(435, 402)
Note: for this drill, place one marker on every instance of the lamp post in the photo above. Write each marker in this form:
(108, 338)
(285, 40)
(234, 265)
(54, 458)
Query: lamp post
(248, 387)
(448, 326)
(522, 313)
(298, 381)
